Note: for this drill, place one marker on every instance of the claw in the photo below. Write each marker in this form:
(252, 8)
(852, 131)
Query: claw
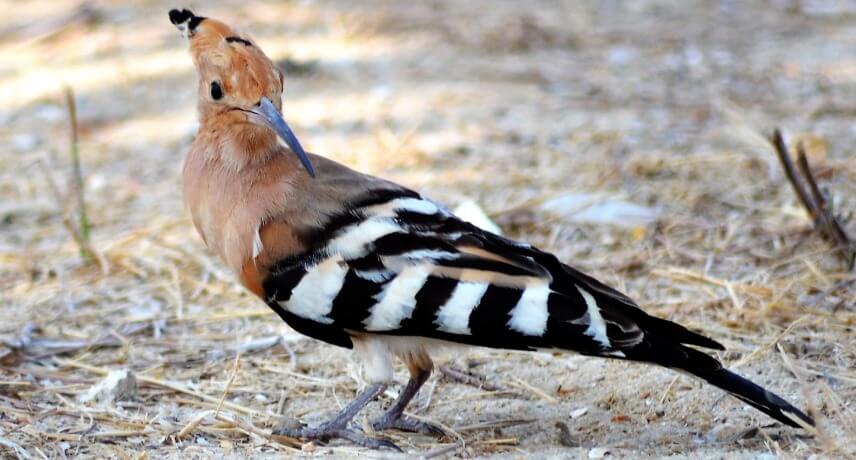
(367, 442)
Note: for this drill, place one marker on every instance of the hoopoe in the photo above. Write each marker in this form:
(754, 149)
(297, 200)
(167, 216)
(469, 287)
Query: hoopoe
(360, 262)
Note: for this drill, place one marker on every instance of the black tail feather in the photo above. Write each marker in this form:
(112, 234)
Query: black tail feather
(707, 368)
(756, 396)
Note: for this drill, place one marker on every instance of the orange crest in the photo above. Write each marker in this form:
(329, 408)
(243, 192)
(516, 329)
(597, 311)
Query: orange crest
(232, 69)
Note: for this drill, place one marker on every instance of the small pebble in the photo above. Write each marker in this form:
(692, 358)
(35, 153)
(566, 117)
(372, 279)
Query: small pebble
(598, 452)
(575, 414)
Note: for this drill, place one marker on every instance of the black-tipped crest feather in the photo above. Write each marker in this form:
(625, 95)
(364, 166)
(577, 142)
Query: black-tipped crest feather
(185, 20)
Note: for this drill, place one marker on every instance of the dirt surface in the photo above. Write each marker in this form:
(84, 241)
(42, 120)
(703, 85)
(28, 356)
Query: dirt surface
(655, 103)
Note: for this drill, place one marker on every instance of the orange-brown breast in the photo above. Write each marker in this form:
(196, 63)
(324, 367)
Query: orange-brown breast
(252, 278)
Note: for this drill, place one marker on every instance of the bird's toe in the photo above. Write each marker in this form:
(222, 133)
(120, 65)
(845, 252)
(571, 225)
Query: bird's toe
(326, 433)
(407, 424)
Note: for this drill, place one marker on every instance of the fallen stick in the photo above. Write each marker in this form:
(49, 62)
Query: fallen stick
(468, 378)
(811, 197)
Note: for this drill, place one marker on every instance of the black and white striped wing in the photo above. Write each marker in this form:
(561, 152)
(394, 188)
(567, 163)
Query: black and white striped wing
(399, 264)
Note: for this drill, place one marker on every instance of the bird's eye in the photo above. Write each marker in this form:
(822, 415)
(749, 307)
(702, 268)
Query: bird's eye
(216, 91)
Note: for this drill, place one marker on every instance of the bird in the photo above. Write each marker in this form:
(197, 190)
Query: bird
(363, 263)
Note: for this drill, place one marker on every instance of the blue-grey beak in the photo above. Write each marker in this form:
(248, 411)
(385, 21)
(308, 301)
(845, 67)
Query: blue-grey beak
(271, 115)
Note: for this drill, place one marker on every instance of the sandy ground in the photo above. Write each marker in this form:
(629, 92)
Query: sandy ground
(653, 102)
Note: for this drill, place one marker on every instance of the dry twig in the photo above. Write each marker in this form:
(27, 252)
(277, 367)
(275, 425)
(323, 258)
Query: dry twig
(468, 378)
(807, 190)
(76, 180)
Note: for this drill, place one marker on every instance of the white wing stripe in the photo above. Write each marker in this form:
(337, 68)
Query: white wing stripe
(388, 209)
(312, 298)
(530, 314)
(454, 315)
(596, 325)
(375, 276)
(398, 299)
(355, 239)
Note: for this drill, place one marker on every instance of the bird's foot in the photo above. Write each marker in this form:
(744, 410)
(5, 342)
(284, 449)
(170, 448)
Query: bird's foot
(400, 422)
(337, 427)
(328, 431)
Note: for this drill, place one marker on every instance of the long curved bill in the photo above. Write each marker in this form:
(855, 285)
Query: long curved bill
(271, 115)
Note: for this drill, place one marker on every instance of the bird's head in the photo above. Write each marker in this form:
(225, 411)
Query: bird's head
(238, 83)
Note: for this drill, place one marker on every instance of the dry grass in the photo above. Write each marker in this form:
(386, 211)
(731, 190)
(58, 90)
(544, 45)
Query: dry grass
(657, 103)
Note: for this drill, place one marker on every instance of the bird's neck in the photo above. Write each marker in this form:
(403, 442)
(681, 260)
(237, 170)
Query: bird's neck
(236, 142)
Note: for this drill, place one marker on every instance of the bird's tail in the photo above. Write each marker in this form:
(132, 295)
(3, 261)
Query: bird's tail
(699, 364)
(754, 395)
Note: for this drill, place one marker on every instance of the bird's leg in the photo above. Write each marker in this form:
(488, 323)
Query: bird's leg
(394, 417)
(337, 427)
